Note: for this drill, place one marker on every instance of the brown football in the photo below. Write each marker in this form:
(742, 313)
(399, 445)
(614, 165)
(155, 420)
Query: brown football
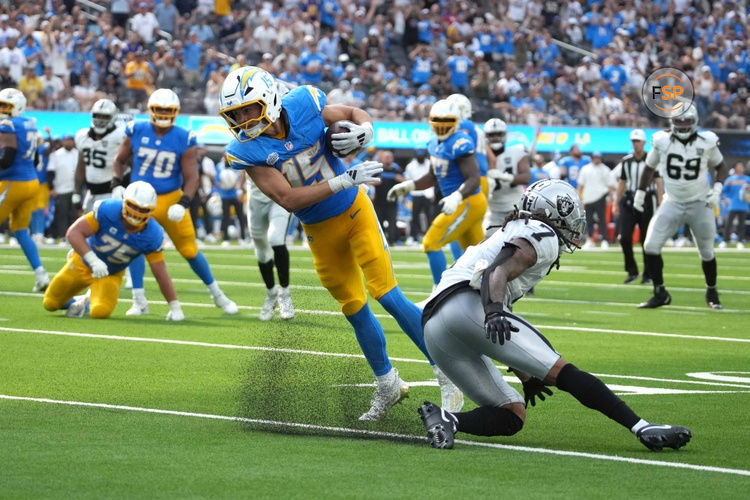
(334, 128)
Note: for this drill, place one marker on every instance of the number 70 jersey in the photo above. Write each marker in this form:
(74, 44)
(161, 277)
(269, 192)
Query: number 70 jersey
(684, 167)
(156, 160)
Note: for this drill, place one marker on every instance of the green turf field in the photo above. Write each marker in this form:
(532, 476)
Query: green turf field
(222, 406)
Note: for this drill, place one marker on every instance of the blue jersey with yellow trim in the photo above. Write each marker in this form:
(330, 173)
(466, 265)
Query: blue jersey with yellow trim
(42, 162)
(480, 144)
(443, 155)
(573, 168)
(302, 156)
(22, 168)
(156, 160)
(114, 244)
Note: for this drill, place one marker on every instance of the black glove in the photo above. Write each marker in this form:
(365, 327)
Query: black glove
(496, 325)
(533, 388)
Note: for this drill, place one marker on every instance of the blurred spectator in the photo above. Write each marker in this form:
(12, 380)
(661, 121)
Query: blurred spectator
(422, 201)
(145, 24)
(737, 193)
(596, 185)
(387, 210)
(459, 66)
(60, 177)
(202, 30)
(167, 16)
(169, 72)
(191, 60)
(12, 56)
(31, 86)
(139, 79)
(120, 10)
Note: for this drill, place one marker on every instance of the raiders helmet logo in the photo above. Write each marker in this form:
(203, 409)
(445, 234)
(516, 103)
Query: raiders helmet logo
(564, 205)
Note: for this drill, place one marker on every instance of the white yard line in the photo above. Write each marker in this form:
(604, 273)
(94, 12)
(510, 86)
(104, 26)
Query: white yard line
(386, 435)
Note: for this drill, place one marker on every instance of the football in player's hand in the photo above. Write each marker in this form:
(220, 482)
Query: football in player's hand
(335, 128)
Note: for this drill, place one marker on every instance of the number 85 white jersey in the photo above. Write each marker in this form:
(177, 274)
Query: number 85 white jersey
(98, 155)
(684, 167)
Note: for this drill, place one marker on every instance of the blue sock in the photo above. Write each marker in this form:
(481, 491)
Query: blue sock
(456, 250)
(37, 222)
(137, 270)
(408, 316)
(29, 247)
(437, 264)
(371, 340)
(199, 265)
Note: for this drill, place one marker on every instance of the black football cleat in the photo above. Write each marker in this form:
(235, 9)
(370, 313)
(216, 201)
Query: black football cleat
(712, 299)
(658, 300)
(656, 437)
(646, 281)
(631, 278)
(440, 425)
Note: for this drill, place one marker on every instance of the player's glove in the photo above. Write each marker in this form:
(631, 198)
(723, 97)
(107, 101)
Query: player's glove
(76, 200)
(175, 311)
(358, 174)
(501, 176)
(714, 197)
(358, 136)
(176, 212)
(639, 199)
(118, 190)
(497, 327)
(98, 267)
(450, 203)
(400, 189)
(533, 388)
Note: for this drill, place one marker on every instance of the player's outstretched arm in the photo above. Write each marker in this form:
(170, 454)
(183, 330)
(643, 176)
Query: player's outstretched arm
(79, 178)
(407, 186)
(124, 153)
(79, 231)
(159, 270)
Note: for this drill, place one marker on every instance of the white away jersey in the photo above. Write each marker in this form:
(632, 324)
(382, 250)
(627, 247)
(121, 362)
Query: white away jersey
(99, 154)
(254, 192)
(504, 197)
(684, 167)
(542, 237)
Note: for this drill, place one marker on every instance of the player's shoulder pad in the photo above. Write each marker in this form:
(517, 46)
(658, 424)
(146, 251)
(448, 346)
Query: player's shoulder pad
(97, 206)
(192, 138)
(462, 145)
(660, 140)
(317, 96)
(130, 128)
(518, 148)
(235, 158)
(468, 127)
(6, 125)
(711, 138)
(81, 135)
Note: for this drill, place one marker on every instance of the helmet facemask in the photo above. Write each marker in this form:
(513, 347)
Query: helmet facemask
(136, 215)
(250, 128)
(163, 116)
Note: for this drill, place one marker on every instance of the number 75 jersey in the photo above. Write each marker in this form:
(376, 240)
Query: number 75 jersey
(98, 155)
(156, 160)
(684, 166)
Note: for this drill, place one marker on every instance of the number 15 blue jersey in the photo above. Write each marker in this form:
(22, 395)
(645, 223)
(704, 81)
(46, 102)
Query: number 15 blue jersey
(156, 160)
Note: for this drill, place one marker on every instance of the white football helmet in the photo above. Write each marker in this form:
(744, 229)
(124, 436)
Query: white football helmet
(138, 203)
(163, 106)
(12, 103)
(227, 179)
(444, 118)
(103, 114)
(685, 124)
(496, 130)
(555, 202)
(464, 105)
(245, 87)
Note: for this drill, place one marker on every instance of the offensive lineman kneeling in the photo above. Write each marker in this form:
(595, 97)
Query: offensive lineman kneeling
(468, 322)
(104, 242)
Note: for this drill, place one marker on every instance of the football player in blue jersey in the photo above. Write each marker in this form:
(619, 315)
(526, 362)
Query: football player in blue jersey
(572, 164)
(18, 177)
(455, 170)
(163, 154)
(104, 242)
(281, 143)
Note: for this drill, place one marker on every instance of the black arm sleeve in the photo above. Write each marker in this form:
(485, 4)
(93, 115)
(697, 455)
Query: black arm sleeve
(6, 160)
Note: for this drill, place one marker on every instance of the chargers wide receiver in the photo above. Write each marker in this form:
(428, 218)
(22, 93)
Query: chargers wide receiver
(18, 177)
(509, 175)
(280, 142)
(455, 170)
(104, 241)
(683, 157)
(163, 154)
(97, 146)
(469, 320)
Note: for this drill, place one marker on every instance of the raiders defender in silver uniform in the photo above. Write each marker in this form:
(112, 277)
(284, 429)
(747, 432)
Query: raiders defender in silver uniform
(468, 322)
(97, 147)
(683, 157)
(508, 177)
(269, 223)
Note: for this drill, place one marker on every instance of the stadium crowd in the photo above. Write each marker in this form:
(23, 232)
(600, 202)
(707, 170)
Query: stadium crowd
(390, 57)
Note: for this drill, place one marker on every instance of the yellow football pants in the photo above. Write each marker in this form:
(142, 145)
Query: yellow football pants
(181, 233)
(18, 200)
(463, 225)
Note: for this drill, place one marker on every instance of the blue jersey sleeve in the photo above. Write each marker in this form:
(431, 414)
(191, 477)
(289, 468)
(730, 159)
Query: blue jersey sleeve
(462, 146)
(6, 127)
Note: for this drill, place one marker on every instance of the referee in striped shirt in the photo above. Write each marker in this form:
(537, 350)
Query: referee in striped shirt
(630, 167)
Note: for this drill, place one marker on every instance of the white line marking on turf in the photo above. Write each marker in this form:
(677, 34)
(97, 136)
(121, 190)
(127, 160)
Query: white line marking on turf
(731, 377)
(389, 435)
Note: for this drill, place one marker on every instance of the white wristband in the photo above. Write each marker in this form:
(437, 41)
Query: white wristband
(174, 305)
(90, 257)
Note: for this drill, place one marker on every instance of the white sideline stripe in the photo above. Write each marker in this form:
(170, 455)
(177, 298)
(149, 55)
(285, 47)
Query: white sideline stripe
(321, 353)
(632, 305)
(389, 435)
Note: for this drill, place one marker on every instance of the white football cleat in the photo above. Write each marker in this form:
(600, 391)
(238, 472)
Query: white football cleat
(139, 308)
(452, 399)
(42, 280)
(286, 307)
(389, 392)
(78, 308)
(222, 301)
(269, 304)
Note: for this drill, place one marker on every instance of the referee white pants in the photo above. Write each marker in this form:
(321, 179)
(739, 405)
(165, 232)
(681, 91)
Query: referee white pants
(268, 227)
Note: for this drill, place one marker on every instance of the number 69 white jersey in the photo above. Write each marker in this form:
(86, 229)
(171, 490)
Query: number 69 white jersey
(98, 155)
(684, 167)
